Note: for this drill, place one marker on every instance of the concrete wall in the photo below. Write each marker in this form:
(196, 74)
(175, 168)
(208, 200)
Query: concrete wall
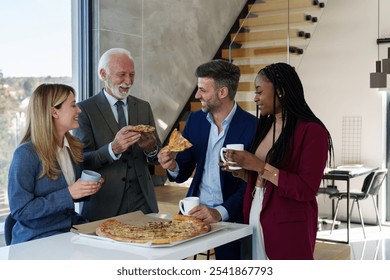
(168, 40)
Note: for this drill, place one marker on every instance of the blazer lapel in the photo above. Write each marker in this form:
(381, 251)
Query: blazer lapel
(105, 109)
(204, 134)
(77, 170)
(132, 111)
(269, 189)
(236, 128)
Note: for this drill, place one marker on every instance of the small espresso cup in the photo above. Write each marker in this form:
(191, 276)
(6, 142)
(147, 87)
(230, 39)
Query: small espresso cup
(187, 203)
(238, 147)
(89, 175)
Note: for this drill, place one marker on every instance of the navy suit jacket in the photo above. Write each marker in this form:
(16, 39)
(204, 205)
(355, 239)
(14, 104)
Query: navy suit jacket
(241, 131)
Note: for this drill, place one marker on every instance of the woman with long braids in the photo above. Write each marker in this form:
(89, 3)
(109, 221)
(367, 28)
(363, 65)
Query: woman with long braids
(284, 169)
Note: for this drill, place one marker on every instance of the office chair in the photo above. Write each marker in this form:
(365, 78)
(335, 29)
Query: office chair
(8, 225)
(328, 190)
(371, 186)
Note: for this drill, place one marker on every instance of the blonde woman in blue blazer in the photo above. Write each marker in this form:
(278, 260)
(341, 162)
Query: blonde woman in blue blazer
(43, 179)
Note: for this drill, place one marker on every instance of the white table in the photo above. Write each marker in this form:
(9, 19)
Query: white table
(336, 175)
(75, 247)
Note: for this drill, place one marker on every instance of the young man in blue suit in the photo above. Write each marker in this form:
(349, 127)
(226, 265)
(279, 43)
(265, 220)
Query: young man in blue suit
(220, 122)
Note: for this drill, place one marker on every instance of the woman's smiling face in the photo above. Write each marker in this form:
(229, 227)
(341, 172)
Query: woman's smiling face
(264, 97)
(67, 115)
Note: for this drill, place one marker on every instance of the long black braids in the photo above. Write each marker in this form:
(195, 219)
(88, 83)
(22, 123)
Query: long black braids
(289, 91)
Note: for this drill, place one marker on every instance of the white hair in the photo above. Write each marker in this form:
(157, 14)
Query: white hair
(106, 57)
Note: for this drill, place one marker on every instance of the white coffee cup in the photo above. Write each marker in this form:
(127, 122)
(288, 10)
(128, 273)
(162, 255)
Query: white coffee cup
(89, 175)
(187, 203)
(238, 147)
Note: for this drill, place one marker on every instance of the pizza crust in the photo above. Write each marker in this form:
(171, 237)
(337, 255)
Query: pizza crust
(199, 224)
(144, 128)
(158, 233)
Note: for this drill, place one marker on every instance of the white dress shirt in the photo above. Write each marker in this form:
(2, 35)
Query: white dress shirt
(63, 158)
(112, 100)
(210, 189)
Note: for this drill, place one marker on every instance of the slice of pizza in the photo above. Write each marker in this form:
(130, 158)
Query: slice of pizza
(144, 128)
(177, 143)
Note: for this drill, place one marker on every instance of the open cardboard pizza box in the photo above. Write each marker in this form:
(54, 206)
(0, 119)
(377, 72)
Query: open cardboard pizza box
(135, 218)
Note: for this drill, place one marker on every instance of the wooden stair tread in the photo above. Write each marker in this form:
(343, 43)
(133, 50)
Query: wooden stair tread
(246, 86)
(264, 35)
(181, 125)
(281, 5)
(275, 19)
(253, 52)
(250, 69)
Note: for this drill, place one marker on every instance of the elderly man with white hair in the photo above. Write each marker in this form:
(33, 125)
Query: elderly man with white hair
(112, 147)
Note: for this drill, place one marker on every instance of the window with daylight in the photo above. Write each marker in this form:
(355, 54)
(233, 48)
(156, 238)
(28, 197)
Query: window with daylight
(35, 48)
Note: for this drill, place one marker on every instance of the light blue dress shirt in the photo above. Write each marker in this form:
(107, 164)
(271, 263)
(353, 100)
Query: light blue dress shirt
(210, 189)
(112, 100)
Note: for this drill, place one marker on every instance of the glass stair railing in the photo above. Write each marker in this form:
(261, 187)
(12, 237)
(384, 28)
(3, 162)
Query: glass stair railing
(272, 31)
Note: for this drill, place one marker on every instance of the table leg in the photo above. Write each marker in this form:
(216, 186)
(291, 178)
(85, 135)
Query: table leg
(348, 216)
(246, 248)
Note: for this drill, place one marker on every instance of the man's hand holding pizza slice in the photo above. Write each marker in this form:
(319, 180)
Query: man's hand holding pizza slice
(141, 134)
(147, 140)
(177, 143)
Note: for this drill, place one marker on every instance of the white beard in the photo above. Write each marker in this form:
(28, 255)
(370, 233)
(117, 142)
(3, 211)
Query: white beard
(115, 89)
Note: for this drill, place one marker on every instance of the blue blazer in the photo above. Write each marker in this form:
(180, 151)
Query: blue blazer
(241, 130)
(41, 207)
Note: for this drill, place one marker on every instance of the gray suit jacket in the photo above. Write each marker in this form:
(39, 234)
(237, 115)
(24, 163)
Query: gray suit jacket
(98, 128)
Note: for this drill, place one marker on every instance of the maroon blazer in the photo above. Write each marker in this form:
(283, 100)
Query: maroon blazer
(289, 215)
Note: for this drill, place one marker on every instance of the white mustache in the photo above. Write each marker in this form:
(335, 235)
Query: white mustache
(125, 86)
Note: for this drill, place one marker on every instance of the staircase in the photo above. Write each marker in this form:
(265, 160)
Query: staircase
(267, 31)
(272, 31)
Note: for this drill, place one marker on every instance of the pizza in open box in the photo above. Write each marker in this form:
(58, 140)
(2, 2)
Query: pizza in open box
(159, 232)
